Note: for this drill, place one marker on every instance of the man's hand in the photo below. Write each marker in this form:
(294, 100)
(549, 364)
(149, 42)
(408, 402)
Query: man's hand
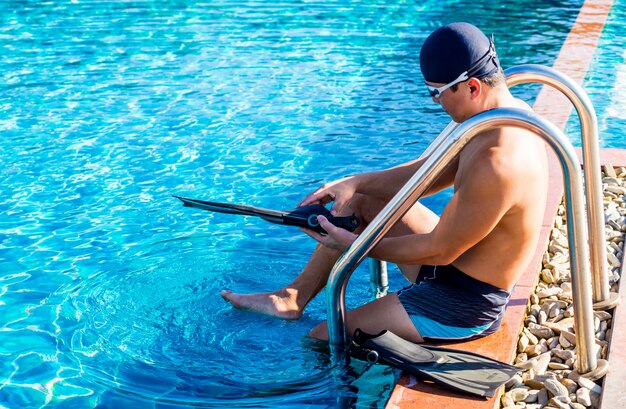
(337, 238)
(340, 192)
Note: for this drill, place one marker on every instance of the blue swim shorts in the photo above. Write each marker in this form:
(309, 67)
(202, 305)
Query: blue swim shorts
(447, 304)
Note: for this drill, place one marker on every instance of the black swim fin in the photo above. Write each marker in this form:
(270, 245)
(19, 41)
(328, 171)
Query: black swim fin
(305, 216)
(459, 370)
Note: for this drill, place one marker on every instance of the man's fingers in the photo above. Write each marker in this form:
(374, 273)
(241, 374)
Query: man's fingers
(336, 238)
(314, 235)
(337, 206)
(308, 199)
(326, 225)
(315, 197)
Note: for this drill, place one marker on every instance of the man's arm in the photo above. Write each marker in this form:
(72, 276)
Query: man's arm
(478, 205)
(383, 184)
(386, 183)
(475, 209)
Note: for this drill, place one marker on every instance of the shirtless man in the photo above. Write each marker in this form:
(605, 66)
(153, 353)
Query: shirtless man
(464, 264)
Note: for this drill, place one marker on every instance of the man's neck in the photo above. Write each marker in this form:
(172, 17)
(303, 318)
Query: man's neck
(498, 97)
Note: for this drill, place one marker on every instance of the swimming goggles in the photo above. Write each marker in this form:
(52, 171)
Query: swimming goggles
(465, 75)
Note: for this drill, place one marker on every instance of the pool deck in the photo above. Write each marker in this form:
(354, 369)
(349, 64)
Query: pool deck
(573, 60)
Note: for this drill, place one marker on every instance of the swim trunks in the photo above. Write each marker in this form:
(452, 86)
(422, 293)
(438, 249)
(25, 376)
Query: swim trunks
(447, 304)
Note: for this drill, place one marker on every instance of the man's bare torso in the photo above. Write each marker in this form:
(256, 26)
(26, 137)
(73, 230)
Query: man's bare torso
(518, 161)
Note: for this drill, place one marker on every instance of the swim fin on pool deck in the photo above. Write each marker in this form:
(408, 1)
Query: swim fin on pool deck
(305, 216)
(459, 370)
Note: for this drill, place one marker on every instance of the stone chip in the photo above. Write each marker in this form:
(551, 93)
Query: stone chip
(548, 292)
(556, 388)
(541, 331)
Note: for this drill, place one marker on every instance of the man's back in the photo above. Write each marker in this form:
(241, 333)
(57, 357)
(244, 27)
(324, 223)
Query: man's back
(507, 170)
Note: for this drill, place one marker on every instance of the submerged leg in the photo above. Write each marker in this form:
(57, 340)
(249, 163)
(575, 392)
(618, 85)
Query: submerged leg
(289, 301)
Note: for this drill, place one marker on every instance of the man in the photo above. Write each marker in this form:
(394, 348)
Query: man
(463, 264)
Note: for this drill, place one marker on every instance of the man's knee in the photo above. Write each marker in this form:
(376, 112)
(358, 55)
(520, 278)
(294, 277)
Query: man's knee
(366, 207)
(418, 220)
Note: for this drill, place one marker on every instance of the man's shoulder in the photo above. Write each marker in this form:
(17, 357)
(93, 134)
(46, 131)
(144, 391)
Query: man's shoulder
(522, 104)
(503, 153)
(486, 161)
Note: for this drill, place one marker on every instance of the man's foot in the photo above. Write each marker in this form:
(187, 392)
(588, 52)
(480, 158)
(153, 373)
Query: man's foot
(281, 304)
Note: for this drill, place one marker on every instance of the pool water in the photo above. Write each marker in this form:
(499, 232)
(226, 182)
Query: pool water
(606, 83)
(109, 288)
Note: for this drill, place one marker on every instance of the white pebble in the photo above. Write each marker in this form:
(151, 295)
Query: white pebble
(589, 384)
(583, 397)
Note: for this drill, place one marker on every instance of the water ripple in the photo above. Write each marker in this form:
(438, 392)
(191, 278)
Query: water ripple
(160, 334)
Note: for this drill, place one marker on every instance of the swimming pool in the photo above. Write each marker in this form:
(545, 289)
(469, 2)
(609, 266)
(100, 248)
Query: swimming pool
(109, 289)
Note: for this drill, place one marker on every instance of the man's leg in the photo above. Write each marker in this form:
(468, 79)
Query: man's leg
(290, 301)
(383, 313)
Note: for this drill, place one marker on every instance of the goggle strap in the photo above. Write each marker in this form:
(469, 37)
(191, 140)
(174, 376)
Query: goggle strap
(482, 61)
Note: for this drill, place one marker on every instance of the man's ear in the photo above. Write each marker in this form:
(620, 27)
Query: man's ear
(475, 87)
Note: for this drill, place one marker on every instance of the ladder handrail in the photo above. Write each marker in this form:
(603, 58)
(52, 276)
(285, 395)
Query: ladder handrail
(441, 156)
(526, 73)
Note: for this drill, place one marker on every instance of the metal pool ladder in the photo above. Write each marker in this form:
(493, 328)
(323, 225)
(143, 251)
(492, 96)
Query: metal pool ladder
(445, 148)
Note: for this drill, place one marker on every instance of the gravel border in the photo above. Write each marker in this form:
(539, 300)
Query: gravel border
(546, 345)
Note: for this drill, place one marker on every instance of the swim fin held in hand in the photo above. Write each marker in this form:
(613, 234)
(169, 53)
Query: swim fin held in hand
(305, 216)
(459, 370)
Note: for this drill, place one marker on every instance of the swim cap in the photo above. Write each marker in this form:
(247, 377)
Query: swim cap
(452, 49)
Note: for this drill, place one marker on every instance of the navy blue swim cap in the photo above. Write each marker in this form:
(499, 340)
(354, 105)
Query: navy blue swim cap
(452, 49)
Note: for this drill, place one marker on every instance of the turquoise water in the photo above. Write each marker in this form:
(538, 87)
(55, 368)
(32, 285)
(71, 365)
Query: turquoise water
(109, 289)
(606, 83)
